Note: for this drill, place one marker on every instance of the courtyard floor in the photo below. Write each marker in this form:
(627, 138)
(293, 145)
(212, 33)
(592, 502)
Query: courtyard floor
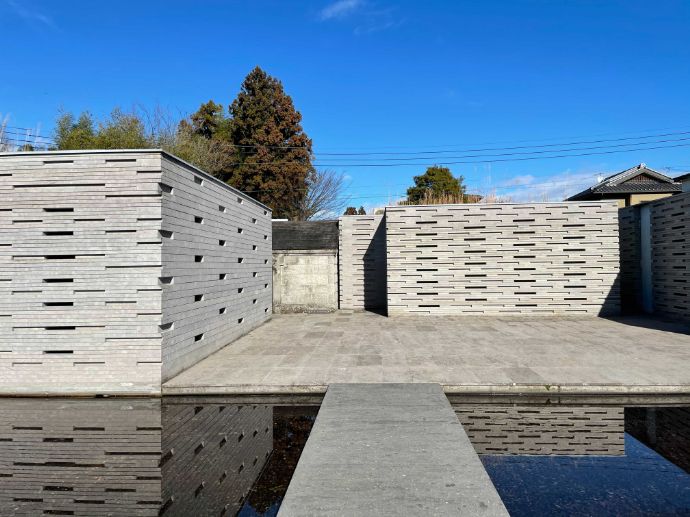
(304, 353)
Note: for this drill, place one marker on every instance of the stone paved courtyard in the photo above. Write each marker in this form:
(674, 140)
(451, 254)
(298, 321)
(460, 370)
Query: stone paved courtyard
(298, 353)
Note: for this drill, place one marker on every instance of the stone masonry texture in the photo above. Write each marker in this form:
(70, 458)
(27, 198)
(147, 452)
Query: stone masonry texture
(534, 258)
(119, 269)
(362, 262)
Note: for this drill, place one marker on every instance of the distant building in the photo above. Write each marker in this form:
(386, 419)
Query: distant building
(630, 187)
(684, 181)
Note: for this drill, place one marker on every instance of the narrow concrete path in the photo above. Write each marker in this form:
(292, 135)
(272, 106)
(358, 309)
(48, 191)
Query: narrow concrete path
(389, 449)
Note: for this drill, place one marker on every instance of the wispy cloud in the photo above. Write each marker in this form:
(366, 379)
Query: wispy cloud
(339, 9)
(527, 188)
(31, 15)
(367, 16)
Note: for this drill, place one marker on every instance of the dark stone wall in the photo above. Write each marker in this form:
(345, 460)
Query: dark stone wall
(305, 235)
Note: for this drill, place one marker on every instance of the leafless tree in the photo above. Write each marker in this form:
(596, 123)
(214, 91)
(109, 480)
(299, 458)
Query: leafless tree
(324, 197)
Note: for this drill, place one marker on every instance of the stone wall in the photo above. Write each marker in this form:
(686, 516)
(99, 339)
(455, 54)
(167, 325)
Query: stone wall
(216, 266)
(670, 233)
(629, 229)
(362, 249)
(102, 258)
(535, 258)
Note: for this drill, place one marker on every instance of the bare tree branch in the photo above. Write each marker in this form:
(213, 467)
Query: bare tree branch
(324, 197)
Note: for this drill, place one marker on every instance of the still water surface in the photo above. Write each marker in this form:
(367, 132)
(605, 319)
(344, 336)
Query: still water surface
(146, 457)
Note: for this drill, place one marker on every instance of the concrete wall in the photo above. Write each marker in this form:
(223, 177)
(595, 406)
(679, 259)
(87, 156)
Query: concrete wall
(362, 248)
(90, 244)
(541, 258)
(305, 280)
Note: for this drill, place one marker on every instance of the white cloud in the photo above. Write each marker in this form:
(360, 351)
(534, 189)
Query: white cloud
(30, 14)
(548, 188)
(339, 9)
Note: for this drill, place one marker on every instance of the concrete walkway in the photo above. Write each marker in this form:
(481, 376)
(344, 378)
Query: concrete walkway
(389, 449)
(304, 353)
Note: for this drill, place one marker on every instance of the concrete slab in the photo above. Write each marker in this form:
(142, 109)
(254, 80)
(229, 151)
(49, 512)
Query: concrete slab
(304, 353)
(389, 449)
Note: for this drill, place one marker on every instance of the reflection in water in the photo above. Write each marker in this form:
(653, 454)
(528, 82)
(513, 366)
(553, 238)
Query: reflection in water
(138, 457)
(584, 460)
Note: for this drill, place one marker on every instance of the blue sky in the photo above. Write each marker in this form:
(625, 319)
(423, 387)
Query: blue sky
(378, 75)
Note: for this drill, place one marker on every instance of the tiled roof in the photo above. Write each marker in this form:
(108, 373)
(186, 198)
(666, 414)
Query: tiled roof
(620, 183)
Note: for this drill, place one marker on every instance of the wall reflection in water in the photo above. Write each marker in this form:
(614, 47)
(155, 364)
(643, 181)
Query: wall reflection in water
(584, 459)
(141, 457)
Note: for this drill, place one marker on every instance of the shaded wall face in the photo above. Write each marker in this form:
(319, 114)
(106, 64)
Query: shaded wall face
(544, 258)
(80, 258)
(362, 262)
(629, 229)
(670, 247)
(216, 274)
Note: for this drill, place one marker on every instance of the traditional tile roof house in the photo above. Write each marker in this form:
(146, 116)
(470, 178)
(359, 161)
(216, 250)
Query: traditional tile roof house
(630, 187)
(684, 180)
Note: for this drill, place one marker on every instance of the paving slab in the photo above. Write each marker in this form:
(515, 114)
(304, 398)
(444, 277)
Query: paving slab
(304, 353)
(389, 449)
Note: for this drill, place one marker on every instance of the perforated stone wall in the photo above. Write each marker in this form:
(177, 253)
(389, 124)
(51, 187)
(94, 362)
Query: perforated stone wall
(563, 430)
(362, 262)
(542, 258)
(89, 299)
(670, 233)
(217, 271)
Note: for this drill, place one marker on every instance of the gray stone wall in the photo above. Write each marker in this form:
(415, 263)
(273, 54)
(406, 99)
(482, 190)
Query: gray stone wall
(216, 266)
(670, 232)
(89, 302)
(305, 280)
(629, 228)
(541, 258)
(362, 265)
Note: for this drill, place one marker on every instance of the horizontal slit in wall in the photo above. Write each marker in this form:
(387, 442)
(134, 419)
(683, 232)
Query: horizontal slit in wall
(166, 234)
(475, 275)
(58, 327)
(221, 310)
(58, 304)
(222, 276)
(19, 221)
(120, 160)
(240, 289)
(254, 301)
(58, 233)
(427, 294)
(59, 209)
(198, 258)
(254, 274)
(240, 200)
(120, 231)
(240, 230)
(108, 196)
(427, 269)
(84, 363)
(475, 299)
(475, 287)
(240, 320)
(199, 220)
(58, 351)
(221, 208)
(60, 257)
(167, 189)
(523, 220)
(240, 260)
(58, 280)
(429, 305)
(198, 180)
(53, 162)
(134, 266)
(426, 234)
(53, 185)
(427, 281)
(254, 220)
(198, 337)
(221, 242)
(198, 297)
(254, 247)
(426, 222)
(90, 220)
(166, 280)
(166, 326)
(525, 305)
